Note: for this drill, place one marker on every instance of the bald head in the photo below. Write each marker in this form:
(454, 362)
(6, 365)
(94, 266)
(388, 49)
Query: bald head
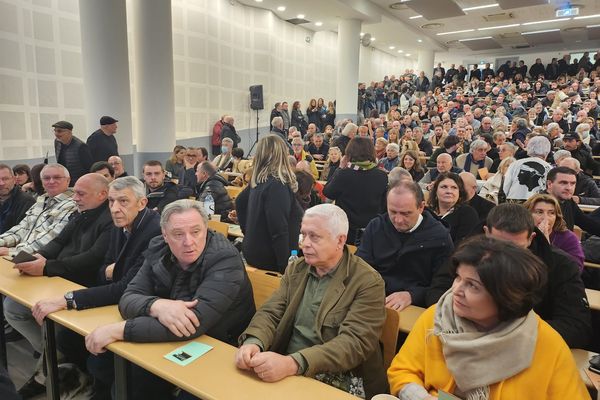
(90, 191)
(443, 162)
(470, 184)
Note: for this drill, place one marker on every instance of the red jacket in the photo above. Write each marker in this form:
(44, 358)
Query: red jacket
(216, 135)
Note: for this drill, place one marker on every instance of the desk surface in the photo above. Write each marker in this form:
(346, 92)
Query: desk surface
(593, 298)
(588, 208)
(235, 231)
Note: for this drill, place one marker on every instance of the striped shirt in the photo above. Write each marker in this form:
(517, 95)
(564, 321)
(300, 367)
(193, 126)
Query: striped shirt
(42, 223)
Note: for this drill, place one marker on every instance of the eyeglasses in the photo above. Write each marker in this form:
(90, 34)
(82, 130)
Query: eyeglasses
(50, 178)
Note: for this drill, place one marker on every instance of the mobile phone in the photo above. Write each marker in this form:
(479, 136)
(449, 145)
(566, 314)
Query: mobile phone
(22, 257)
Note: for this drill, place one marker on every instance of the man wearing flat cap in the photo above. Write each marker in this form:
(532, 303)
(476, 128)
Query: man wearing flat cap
(102, 143)
(572, 142)
(71, 152)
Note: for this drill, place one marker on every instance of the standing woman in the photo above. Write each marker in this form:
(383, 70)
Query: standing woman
(175, 164)
(330, 115)
(447, 200)
(358, 186)
(298, 118)
(313, 113)
(267, 210)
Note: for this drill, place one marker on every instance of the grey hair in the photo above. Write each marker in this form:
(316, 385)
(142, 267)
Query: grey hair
(392, 146)
(181, 206)
(277, 121)
(477, 144)
(349, 128)
(521, 122)
(560, 154)
(551, 126)
(56, 165)
(582, 128)
(131, 182)
(398, 174)
(573, 160)
(228, 140)
(331, 216)
(538, 146)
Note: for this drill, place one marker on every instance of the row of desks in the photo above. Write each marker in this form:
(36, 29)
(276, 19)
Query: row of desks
(212, 377)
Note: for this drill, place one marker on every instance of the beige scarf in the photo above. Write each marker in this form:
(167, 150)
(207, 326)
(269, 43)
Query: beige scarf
(479, 359)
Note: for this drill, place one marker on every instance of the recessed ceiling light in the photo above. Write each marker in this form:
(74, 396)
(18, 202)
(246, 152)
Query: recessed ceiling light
(400, 51)
(300, 16)
(407, 54)
(258, 1)
(318, 23)
(546, 21)
(415, 17)
(281, 8)
(498, 27)
(480, 7)
(535, 32)
(372, 39)
(420, 40)
(476, 38)
(587, 16)
(453, 32)
(391, 47)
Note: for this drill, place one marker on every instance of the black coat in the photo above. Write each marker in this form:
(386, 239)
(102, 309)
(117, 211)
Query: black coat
(463, 222)
(573, 215)
(102, 146)
(126, 254)
(341, 142)
(270, 218)
(215, 185)
(13, 210)
(482, 206)
(587, 190)
(563, 304)
(78, 252)
(159, 198)
(406, 261)
(218, 280)
(228, 131)
(75, 157)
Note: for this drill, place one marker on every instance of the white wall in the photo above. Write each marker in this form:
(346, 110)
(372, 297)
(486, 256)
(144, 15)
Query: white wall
(219, 50)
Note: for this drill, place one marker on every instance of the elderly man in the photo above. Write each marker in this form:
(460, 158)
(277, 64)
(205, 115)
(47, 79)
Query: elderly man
(158, 192)
(46, 218)
(277, 127)
(211, 183)
(301, 155)
(14, 202)
(527, 176)
(117, 163)
(180, 292)
(348, 134)
(425, 146)
(228, 131)
(449, 147)
(317, 148)
(558, 117)
(476, 159)
(224, 161)
(71, 151)
(485, 128)
(75, 254)
(406, 246)
(325, 319)
(586, 190)
(102, 143)
(481, 205)
(572, 142)
(442, 164)
(562, 303)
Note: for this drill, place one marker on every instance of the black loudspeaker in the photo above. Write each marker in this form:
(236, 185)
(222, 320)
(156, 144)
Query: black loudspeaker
(256, 97)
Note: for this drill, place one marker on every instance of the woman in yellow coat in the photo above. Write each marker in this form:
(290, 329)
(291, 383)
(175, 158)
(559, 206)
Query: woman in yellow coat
(482, 341)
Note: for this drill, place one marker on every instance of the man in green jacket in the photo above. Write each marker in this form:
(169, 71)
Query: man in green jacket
(325, 319)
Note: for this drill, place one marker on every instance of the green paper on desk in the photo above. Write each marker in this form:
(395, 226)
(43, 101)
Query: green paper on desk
(446, 396)
(186, 354)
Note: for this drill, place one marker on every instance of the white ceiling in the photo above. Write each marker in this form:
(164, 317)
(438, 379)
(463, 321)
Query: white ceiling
(390, 23)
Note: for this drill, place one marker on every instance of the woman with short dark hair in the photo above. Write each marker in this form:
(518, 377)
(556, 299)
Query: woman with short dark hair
(482, 339)
(358, 186)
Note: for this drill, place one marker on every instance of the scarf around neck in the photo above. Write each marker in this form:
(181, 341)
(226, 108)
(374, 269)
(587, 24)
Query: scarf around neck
(362, 165)
(479, 359)
(469, 160)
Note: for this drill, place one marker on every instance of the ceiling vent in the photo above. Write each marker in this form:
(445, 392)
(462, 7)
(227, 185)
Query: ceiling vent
(522, 46)
(398, 6)
(575, 29)
(433, 25)
(297, 21)
(510, 35)
(500, 17)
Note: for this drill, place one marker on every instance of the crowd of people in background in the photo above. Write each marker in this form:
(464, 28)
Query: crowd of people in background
(430, 183)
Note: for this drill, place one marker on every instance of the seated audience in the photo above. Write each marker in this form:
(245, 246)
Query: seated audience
(333, 162)
(481, 205)
(117, 163)
(267, 210)
(548, 218)
(301, 155)
(14, 202)
(448, 201)
(406, 245)
(325, 319)
(482, 339)
(391, 160)
(410, 161)
(224, 161)
(443, 164)
(586, 189)
(505, 150)
(572, 142)
(527, 176)
(22, 174)
(193, 157)
(210, 182)
(358, 186)
(449, 146)
(158, 191)
(175, 165)
(105, 169)
(317, 148)
(476, 159)
(179, 292)
(563, 303)
(35, 188)
(46, 218)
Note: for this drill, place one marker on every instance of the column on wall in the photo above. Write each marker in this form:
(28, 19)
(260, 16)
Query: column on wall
(154, 87)
(106, 69)
(425, 62)
(347, 69)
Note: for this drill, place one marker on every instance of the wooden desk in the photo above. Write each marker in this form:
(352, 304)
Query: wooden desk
(590, 264)
(235, 231)
(588, 208)
(593, 298)
(582, 358)
(408, 317)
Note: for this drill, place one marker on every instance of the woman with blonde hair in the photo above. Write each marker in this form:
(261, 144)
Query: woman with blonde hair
(548, 218)
(493, 188)
(393, 135)
(267, 210)
(380, 147)
(333, 162)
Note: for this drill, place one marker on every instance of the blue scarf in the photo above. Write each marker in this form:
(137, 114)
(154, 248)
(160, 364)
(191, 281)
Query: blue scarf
(469, 160)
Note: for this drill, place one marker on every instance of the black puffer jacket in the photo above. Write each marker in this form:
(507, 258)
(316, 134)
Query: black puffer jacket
(218, 280)
(13, 210)
(215, 186)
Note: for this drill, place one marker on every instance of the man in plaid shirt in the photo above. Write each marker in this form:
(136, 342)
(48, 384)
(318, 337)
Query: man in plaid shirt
(46, 218)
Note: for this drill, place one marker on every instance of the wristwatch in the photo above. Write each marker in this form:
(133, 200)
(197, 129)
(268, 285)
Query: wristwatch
(70, 301)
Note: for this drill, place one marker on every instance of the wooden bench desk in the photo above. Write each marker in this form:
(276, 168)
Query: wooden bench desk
(582, 358)
(235, 231)
(587, 208)
(590, 264)
(593, 298)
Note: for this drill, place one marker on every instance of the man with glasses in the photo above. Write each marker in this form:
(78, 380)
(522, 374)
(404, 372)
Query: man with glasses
(46, 218)
(117, 163)
(70, 151)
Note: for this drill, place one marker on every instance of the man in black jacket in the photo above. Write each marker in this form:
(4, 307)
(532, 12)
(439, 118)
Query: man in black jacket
(75, 254)
(210, 182)
(481, 205)
(159, 192)
(563, 301)
(192, 282)
(228, 131)
(406, 246)
(134, 226)
(586, 190)
(102, 143)
(71, 151)
(14, 203)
